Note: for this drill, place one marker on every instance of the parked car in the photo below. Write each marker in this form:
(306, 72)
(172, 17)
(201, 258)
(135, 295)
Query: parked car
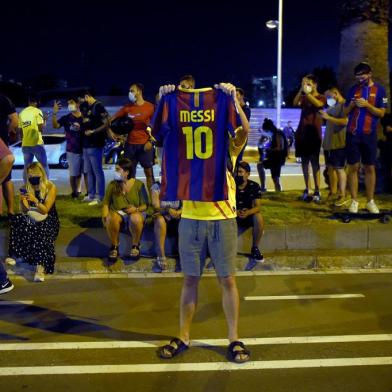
(55, 146)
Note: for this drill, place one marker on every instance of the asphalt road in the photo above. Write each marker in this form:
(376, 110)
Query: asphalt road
(101, 335)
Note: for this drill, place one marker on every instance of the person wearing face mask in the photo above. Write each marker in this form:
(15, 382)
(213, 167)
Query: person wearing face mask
(248, 199)
(334, 144)
(308, 135)
(33, 233)
(95, 128)
(139, 147)
(365, 105)
(125, 203)
(73, 128)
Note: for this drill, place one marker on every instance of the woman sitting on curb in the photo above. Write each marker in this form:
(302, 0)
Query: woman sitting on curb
(33, 233)
(125, 203)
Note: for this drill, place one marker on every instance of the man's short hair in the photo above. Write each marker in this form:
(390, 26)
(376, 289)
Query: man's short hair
(84, 92)
(244, 165)
(312, 77)
(139, 86)
(362, 68)
(187, 77)
(33, 98)
(240, 90)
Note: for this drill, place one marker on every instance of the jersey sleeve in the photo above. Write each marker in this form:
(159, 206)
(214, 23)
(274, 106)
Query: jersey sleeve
(40, 117)
(62, 120)
(160, 119)
(120, 113)
(233, 118)
(382, 99)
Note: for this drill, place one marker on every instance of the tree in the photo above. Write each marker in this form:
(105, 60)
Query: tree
(364, 37)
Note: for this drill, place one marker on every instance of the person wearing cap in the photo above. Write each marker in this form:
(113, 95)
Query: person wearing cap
(248, 199)
(365, 105)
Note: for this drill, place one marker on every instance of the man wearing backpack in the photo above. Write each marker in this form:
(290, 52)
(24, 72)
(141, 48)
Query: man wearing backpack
(95, 125)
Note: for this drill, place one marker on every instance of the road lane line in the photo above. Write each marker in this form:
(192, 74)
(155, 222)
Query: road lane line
(11, 303)
(310, 296)
(194, 367)
(195, 343)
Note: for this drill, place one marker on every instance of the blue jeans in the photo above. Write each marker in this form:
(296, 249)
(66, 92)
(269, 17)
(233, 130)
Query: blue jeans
(93, 168)
(3, 273)
(37, 151)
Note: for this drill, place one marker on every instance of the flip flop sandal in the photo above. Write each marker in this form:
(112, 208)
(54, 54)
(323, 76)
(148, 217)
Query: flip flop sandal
(113, 254)
(135, 252)
(234, 352)
(175, 347)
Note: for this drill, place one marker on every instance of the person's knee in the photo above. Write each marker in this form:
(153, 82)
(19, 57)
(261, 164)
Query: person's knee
(228, 282)
(369, 169)
(159, 222)
(352, 169)
(136, 219)
(258, 221)
(191, 281)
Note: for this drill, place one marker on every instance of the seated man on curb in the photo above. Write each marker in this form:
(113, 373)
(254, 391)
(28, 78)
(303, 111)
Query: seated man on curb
(248, 198)
(6, 162)
(125, 202)
(166, 216)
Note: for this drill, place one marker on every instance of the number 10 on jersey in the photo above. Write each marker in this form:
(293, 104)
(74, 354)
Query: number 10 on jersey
(194, 142)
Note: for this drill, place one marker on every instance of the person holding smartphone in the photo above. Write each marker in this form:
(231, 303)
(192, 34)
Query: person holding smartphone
(125, 203)
(34, 231)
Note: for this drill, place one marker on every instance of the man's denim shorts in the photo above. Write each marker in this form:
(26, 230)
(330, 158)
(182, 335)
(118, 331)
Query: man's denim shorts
(218, 237)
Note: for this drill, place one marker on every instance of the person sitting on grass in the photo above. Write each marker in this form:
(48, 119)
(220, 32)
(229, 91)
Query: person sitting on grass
(166, 216)
(125, 202)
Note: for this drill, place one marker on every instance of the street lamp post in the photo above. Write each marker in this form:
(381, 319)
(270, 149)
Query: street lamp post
(278, 24)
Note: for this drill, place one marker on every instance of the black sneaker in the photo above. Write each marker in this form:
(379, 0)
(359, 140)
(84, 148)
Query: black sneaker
(255, 254)
(6, 286)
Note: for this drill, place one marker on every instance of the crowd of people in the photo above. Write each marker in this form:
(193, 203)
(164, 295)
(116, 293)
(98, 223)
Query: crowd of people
(205, 205)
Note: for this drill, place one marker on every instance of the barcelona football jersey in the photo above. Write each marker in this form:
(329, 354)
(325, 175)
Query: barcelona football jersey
(194, 126)
(361, 120)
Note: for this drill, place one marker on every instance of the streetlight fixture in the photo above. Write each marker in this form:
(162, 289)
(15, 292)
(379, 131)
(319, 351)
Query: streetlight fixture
(278, 24)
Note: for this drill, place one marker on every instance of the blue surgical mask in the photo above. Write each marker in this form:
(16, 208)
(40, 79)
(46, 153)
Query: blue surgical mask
(132, 97)
(331, 101)
(118, 177)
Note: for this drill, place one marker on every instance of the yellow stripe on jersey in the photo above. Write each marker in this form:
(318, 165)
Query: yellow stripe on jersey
(196, 99)
(218, 210)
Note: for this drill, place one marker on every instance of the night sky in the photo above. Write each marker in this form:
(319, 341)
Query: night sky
(111, 44)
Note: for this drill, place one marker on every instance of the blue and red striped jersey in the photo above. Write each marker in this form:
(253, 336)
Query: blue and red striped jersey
(360, 120)
(194, 126)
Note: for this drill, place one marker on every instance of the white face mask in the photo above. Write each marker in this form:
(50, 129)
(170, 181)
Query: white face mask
(132, 97)
(72, 107)
(308, 89)
(118, 177)
(331, 101)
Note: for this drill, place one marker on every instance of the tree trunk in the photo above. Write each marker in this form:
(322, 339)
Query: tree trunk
(364, 37)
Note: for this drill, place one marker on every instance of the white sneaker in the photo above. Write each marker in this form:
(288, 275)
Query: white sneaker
(10, 261)
(372, 207)
(39, 275)
(94, 202)
(353, 207)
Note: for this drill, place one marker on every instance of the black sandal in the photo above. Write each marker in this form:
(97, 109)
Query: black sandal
(169, 351)
(113, 254)
(234, 353)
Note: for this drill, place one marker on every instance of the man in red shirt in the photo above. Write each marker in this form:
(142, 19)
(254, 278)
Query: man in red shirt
(138, 147)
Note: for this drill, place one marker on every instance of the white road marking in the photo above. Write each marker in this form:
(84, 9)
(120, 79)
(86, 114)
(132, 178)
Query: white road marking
(194, 343)
(10, 303)
(195, 367)
(296, 297)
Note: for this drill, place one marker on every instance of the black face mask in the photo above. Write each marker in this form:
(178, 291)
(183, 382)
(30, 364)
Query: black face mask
(34, 180)
(239, 180)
